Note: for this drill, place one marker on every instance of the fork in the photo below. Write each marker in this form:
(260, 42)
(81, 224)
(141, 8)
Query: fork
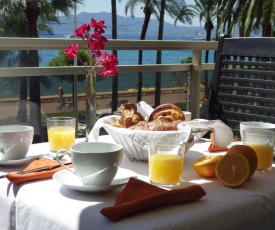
(31, 170)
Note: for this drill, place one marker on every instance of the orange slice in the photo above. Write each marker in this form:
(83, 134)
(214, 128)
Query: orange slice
(205, 166)
(250, 155)
(233, 169)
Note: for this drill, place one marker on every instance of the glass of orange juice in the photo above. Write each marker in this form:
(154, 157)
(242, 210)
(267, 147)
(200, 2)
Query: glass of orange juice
(61, 132)
(262, 141)
(166, 158)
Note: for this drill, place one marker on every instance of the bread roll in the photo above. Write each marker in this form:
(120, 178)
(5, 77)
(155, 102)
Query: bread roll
(169, 112)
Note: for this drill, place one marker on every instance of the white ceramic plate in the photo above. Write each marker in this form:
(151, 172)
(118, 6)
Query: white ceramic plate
(19, 162)
(71, 181)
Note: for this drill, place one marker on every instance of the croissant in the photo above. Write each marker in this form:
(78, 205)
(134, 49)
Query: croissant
(129, 115)
(169, 112)
(156, 125)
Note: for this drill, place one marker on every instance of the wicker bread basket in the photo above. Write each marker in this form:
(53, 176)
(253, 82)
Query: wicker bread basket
(134, 141)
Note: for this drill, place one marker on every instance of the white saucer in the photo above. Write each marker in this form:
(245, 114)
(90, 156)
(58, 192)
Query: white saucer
(20, 161)
(71, 181)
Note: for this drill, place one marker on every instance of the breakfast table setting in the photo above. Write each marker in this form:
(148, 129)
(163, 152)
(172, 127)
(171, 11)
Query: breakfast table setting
(57, 197)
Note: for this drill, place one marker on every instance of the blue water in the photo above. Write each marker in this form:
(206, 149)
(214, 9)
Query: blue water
(126, 80)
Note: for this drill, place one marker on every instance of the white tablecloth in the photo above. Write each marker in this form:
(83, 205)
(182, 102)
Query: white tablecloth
(48, 205)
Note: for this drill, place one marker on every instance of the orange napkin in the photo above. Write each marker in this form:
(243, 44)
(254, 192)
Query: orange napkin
(45, 174)
(213, 147)
(138, 195)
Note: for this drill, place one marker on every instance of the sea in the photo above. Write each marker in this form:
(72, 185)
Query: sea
(126, 81)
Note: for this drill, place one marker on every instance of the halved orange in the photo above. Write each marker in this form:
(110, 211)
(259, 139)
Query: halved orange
(205, 166)
(233, 169)
(250, 155)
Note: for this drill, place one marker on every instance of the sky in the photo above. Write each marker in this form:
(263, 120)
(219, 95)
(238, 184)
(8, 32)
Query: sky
(105, 6)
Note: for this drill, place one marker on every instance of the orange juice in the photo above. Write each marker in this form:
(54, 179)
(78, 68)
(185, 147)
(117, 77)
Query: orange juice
(61, 138)
(264, 154)
(165, 168)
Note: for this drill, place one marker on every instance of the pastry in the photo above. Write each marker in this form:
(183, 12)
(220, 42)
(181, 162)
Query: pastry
(129, 115)
(156, 125)
(169, 112)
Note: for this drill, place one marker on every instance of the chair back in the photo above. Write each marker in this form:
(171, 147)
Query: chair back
(243, 84)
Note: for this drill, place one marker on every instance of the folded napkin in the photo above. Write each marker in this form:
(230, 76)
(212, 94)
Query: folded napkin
(213, 147)
(40, 175)
(138, 195)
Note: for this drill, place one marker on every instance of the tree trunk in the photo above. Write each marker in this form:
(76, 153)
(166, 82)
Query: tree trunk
(147, 11)
(115, 78)
(32, 12)
(159, 53)
(23, 95)
(208, 27)
(267, 29)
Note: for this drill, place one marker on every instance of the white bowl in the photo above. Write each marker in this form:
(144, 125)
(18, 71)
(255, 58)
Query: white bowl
(255, 125)
(15, 141)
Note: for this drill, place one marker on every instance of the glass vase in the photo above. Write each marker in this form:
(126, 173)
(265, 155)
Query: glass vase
(90, 102)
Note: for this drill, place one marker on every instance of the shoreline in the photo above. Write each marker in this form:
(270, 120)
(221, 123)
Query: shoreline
(50, 104)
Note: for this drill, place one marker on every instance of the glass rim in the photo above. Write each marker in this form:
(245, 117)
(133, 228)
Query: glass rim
(258, 132)
(62, 118)
(170, 139)
(78, 149)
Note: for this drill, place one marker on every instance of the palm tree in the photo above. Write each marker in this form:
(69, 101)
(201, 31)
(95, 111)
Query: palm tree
(147, 10)
(115, 78)
(206, 10)
(158, 61)
(259, 14)
(14, 24)
(175, 8)
(181, 12)
(184, 15)
(34, 10)
(249, 15)
(232, 14)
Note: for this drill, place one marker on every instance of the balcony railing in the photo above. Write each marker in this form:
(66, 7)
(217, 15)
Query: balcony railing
(195, 68)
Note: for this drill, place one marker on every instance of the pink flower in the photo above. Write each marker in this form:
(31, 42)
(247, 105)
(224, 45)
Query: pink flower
(97, 42)
(98, 25)
(71, 51)
(94, 43)
(96, 54)
(83, 31)
(109, 63)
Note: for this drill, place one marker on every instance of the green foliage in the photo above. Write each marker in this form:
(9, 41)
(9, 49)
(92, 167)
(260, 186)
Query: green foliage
(182, 77)
(186, 60)
(62, 60)
(182, 105)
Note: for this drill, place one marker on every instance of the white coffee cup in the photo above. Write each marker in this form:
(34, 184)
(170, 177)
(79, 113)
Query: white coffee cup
(95, 163)
(15, 141)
